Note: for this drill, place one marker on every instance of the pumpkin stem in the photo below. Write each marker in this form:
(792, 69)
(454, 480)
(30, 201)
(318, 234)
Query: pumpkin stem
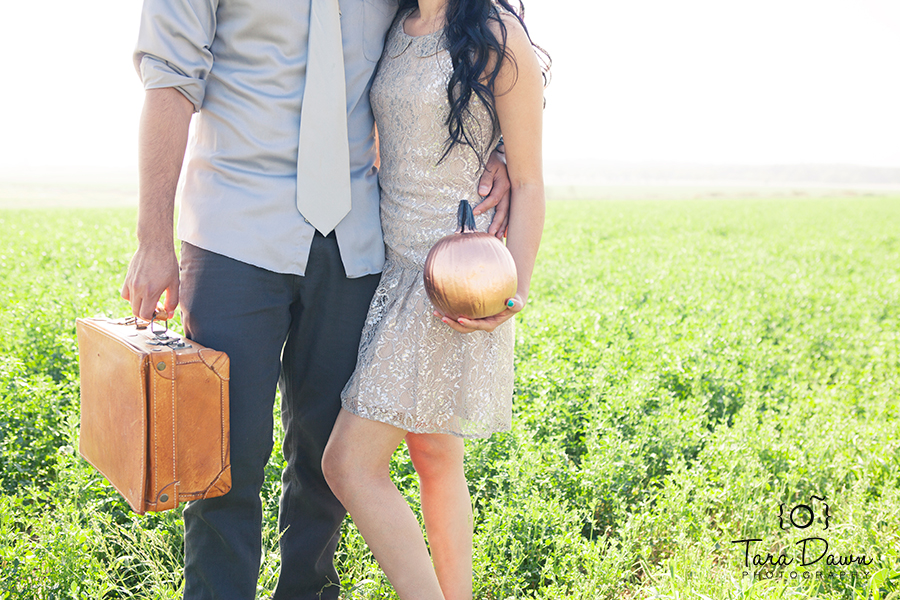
(465, 218)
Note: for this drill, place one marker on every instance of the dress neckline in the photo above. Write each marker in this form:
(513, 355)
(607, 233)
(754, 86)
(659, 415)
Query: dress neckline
(422, 45)
(416, 37)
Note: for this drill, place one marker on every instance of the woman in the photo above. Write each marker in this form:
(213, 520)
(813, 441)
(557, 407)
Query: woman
(454, 75)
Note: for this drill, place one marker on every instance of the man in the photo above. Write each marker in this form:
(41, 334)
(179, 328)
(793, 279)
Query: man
(264, 276)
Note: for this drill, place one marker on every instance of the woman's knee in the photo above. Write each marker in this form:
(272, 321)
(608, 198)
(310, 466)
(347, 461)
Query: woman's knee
(335, 463)
(435, 455)
(358, 453)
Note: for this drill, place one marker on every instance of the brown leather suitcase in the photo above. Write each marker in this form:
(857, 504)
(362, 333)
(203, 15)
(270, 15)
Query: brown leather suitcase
(154, 413)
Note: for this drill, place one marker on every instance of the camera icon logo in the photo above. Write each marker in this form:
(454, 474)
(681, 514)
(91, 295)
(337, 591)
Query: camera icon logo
(802, 516)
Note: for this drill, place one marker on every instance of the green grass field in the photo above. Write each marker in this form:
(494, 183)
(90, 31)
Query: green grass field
(690, 374)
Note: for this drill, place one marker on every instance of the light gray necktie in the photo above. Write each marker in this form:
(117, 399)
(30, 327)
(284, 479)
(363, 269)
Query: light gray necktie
(323, 162)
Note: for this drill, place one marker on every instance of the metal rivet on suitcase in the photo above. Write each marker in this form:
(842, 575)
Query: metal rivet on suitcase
(164, 498)
(160, 366)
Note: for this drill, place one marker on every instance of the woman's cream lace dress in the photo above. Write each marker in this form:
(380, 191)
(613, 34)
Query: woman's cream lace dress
(414, 372)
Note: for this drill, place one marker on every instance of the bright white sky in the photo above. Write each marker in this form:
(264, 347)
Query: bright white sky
(713, 81)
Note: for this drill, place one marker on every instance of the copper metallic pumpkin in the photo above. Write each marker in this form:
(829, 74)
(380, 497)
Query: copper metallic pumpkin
(469, 273)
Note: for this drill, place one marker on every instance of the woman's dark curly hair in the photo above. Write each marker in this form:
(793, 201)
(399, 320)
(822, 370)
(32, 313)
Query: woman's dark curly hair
(473, 47)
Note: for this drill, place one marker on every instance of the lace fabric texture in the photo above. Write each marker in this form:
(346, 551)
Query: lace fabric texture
(414, 372)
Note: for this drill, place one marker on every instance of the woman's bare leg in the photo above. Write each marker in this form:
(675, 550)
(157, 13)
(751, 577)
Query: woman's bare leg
(447, 509)
(357, 467)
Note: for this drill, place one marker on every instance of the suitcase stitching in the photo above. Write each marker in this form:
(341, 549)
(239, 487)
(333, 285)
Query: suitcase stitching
(174, 427)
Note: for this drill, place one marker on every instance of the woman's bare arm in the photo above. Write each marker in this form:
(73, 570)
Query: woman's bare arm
(519, 92)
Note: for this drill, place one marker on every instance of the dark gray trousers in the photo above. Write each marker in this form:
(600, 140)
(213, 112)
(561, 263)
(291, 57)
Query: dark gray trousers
(301, 334)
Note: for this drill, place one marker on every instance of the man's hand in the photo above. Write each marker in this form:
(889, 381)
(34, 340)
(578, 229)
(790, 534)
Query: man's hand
(152, 271)
(494, 187)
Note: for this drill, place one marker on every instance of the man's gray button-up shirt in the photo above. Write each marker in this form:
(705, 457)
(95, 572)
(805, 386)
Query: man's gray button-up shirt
(242, 64)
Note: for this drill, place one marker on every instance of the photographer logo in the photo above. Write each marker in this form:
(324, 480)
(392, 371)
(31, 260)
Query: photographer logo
(812, 518)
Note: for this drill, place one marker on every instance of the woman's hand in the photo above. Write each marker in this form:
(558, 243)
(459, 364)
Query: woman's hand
(464, 325)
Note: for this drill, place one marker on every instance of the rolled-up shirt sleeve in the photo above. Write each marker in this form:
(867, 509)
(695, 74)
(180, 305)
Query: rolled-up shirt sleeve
(173, 48)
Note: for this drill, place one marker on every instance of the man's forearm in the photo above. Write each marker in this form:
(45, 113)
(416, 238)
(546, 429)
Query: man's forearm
(163, 134)
(153, 268)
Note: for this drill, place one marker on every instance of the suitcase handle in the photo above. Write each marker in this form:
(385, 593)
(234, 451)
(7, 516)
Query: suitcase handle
(139, 323)
(159, 337)
(154, 320)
